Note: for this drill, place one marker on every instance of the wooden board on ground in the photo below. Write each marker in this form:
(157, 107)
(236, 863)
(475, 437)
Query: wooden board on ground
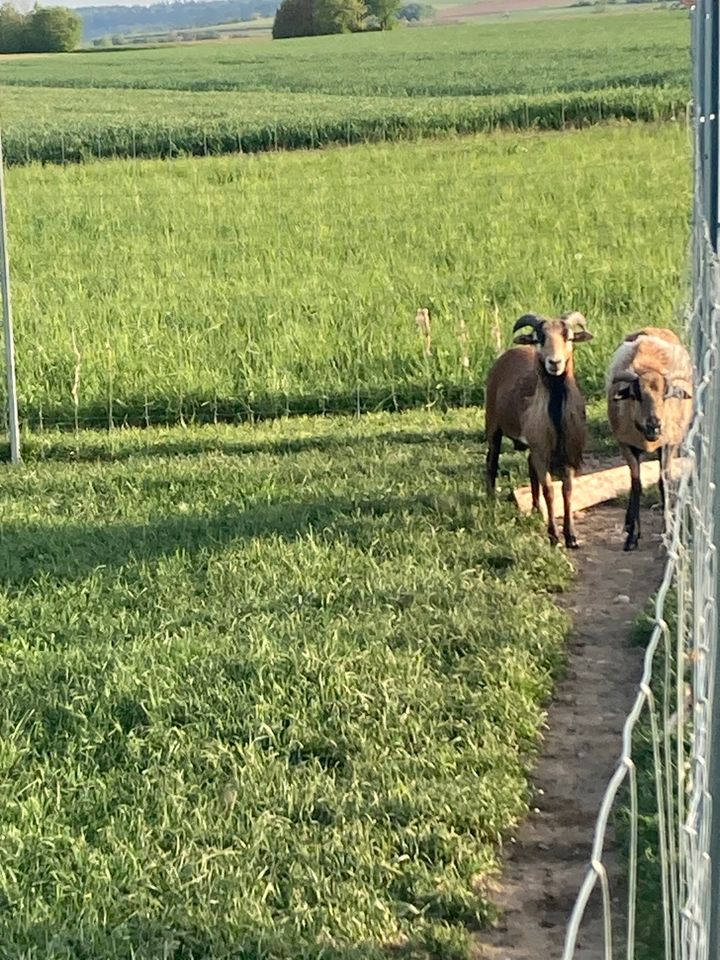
(592, 488)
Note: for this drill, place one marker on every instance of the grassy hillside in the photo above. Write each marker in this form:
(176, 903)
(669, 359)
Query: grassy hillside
(563, 55)
(289, 282)
(225, 98)
(257, 702)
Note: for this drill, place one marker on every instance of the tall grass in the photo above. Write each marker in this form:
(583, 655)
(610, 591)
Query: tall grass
(61, 126)
(289, 283)
(528, 58)
(257, 702)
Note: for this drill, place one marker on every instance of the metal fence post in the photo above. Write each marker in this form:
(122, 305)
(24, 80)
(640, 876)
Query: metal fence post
(13, 422)
(706, 93)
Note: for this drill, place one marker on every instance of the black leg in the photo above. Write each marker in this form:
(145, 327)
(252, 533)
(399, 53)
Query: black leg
(571, 541)
(632, 517)
(534, 486)
(493, 458)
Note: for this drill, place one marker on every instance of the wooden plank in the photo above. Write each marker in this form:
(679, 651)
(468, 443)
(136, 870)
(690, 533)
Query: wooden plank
(592, 488)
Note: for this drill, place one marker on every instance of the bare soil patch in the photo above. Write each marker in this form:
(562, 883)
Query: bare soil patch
(544, 867)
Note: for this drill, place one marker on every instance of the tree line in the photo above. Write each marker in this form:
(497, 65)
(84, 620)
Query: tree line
(308, 18)
(178, 15)
(42, 30)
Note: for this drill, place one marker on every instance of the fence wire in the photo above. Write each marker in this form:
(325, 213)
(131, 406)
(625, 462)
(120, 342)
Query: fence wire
(674, 704)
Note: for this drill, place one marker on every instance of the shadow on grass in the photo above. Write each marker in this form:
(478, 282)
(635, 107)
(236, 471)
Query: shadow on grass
(92, 450)
(202, 409)
(148, 939)
(62, 552)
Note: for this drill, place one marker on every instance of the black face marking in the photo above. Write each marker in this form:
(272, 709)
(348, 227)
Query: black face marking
(557, 393)
(629, 390)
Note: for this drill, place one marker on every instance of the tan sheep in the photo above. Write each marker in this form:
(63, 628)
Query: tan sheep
(532, 397)
(649, 396)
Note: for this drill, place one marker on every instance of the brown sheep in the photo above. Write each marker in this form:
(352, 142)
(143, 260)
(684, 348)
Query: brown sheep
(649, 396)
(532, 397)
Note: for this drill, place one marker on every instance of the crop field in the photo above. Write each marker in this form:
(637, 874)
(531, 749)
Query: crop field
(458, 60)
(54, 125)
(561, 55)
(232, 97)
(257, 702)
(288, 283)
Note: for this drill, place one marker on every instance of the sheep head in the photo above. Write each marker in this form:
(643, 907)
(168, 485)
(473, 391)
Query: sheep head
(648, 391)
(554, 339)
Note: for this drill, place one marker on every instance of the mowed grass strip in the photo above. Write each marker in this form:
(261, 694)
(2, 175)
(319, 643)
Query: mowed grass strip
(468, 59)
(267, 692)
(57, 125)
(288, 283)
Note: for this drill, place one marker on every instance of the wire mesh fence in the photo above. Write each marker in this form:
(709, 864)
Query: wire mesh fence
(659, 799)
(87, 362)
(240, 288)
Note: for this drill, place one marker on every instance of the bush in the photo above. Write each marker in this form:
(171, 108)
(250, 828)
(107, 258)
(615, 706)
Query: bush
(294, 18)
(43, 30)
(53, 30)
(12, 30)
(416, 11)
(309, 18)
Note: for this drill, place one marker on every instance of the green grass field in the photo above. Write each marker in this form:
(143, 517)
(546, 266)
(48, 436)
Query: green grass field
(229, 97)
(257, 701)
(288, 283)
(273, 691)
(54, 125)
(563, 55)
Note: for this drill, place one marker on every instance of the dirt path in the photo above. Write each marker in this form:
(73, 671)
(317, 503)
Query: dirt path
(544, 868)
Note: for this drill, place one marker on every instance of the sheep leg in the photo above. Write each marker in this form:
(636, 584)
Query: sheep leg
(667, 454)
(632, 517)
(493, 458)
(571, 541)
(534, 487)
(549, 494)
(665, 458)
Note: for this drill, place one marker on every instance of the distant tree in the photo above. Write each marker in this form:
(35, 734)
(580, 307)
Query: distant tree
(52, 30)
(415, 11)
(112, 19)
(386, 12)
(339, 16)
(310, 18)
(12, 30)
(294, 18)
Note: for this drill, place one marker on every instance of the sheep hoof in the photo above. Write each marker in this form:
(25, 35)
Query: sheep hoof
(572, 543)
(630, 544)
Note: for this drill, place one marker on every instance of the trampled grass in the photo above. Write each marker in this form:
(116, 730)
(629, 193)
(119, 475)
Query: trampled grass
(267, 692)
(289, 283)
(563, 55)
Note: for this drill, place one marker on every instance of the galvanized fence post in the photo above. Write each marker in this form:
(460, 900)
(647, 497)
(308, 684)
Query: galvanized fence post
(12, 405)
(706, 92)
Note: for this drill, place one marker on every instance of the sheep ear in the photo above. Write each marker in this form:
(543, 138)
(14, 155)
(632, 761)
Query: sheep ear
(526, 338)
(678, 391)
(624, 392)
(581, 336)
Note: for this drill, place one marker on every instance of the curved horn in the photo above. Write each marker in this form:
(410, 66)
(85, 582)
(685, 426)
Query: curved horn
(528, 320)
(624, 376)
(575, 320)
